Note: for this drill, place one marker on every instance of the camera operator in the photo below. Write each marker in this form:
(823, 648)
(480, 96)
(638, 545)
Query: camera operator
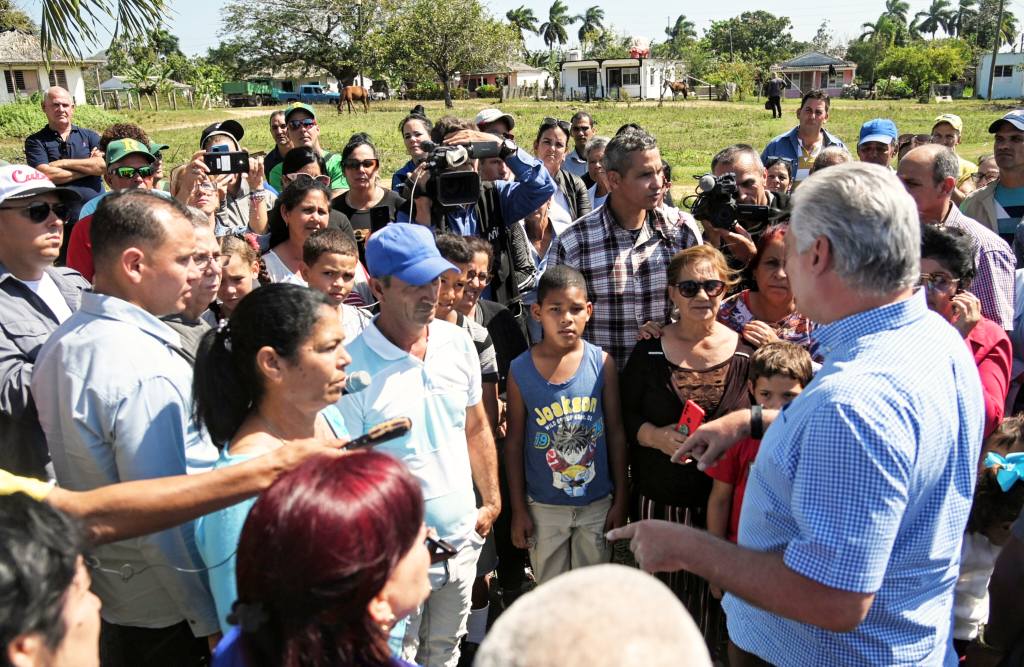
(751, 177)
(499, 205)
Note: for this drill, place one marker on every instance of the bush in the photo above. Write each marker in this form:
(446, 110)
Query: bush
(434, 91)
(487, 90)
(23, 117)
(893, 88)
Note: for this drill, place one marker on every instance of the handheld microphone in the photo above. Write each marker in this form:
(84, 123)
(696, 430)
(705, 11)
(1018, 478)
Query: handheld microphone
(389, 430)
(357, 382)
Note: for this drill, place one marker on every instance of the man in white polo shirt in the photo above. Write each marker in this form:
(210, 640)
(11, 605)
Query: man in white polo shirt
(428, 370)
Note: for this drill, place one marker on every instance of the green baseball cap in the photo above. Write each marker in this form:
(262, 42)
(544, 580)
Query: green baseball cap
(122, 148)
(155, 147)
(298, 106)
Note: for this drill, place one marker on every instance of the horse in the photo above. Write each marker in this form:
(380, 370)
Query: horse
(678, 87)
(357, 94)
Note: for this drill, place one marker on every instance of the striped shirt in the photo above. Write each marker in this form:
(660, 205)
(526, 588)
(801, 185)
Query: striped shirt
(996, 266)
(625, 272)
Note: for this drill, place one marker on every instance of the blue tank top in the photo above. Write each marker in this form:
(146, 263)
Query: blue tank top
(565, 456)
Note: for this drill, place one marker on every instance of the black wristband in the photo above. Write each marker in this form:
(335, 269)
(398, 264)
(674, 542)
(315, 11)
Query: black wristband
(756, 422)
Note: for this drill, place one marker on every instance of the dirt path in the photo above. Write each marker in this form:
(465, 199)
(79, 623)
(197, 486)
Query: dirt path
(235, 113)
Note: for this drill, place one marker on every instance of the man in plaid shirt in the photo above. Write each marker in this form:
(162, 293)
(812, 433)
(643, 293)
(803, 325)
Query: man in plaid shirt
(624, 247)
(929, 174)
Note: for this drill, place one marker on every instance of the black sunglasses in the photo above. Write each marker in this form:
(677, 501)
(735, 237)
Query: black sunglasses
(552, 122)
(40, 211)
(689, 288)
(365, 164)
(440, 550)
(305, 122)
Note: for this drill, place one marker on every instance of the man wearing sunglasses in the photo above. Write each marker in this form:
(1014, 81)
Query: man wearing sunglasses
(35, 297)
(304, 132)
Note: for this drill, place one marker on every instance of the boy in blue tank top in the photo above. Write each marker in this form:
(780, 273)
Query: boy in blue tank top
(565, 446)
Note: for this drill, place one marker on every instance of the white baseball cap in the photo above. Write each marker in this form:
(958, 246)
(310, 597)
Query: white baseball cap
(487, 116)
(19, 181)
(1015, 118)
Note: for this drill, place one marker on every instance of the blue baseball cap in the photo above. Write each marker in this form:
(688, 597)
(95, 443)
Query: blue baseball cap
(1014, 118)
(881, 130)
(406, 251)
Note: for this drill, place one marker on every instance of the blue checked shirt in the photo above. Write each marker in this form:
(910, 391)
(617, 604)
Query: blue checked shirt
(864, 483)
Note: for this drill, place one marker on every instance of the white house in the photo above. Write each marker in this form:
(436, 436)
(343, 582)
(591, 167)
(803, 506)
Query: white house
(24, 72)
(1008, 80)
(640, 77)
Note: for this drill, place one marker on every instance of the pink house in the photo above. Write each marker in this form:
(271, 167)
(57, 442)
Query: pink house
(812, 70)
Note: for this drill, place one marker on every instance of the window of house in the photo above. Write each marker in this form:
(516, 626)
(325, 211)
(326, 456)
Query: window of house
(835, 80)
(1004, 71)
(630, 76)
(588, 78)
(21, 81)
(58, 77)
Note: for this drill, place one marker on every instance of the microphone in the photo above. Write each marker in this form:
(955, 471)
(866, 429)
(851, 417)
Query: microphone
(706, 183)
(357, 382)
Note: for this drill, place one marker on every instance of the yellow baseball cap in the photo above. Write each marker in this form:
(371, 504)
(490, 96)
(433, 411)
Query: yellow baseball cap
(952, 119)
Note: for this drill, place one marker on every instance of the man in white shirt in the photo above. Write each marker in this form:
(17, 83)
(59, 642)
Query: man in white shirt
(35, 298)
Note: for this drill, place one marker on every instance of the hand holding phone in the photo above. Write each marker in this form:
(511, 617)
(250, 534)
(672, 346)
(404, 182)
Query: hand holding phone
(692, 417)
(233, 162)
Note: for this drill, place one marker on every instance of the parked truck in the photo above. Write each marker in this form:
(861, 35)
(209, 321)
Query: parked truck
(250, 93)
(311, 94)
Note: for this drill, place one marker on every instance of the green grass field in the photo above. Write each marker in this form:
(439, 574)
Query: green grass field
(689, 132)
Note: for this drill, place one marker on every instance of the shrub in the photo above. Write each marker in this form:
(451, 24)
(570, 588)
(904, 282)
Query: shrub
(893, 88)
(25, 116)
(487, 90)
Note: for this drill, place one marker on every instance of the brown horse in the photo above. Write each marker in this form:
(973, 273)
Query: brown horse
(678, 87)
(357, 94)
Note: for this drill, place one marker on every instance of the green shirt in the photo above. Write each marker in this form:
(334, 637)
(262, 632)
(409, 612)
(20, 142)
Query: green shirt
(334, 170)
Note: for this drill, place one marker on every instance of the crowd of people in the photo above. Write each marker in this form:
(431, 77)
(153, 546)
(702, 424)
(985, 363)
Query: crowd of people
(302, 415)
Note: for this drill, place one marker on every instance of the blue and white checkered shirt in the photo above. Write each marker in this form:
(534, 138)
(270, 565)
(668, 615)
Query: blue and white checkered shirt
(864, 483)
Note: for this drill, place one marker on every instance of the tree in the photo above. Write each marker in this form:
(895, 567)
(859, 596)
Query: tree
(69, 25)
(965, 12)
(12, 18)
(591, 24)
(867, 55)
(897, 10)
(608, 43)
(921, 65)
(683, 29)
(523, 20)
(553, 30)
(938, 16)
(884, 31)
(979, 27)
(448, 37)
(756, 37)
(228, 58)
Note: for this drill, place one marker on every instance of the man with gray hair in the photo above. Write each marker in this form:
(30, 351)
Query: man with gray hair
(624, 247)
(930, 174)
(830, 156)
(594, 153)
(850, 530)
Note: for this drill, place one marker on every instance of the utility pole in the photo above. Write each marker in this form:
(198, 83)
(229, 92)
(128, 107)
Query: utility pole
(996, 41)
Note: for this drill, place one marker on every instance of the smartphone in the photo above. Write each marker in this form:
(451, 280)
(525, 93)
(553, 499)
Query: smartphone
(692, 417)
(382, 432)
(380, 217)
(234, 162)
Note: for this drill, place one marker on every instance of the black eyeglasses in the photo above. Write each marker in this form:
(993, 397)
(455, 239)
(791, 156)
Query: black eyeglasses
(305, 122)
(129, 172)
(689, 288)
(552, 122)
(440, 550)
(365, 164)
(938, 282)
(40, 211)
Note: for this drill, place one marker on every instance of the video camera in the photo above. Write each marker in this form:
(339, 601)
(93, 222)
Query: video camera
(715, 202)
(456, 188)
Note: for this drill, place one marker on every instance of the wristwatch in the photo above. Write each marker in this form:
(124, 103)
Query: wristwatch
(507, 148)
(756, 422)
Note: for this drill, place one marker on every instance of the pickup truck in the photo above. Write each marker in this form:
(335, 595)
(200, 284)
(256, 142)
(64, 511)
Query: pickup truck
(311, 94)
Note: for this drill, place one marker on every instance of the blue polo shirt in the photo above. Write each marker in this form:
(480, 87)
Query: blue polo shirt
(46, 146)
(864, 483)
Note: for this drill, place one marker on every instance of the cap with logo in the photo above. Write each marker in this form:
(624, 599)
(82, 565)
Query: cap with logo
(1015, 118)
(19, 181)
(951, 119)
(488, 116)
(299, 106)
(881, 130)
(122, 148)
(406, 251)
(226, 128)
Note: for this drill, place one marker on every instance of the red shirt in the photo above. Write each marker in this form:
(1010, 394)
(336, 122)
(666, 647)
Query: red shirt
(734, 468)
(993, 353)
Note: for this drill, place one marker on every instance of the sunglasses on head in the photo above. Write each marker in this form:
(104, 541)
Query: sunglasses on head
(440, 550)
(365, 164)
(689, 288)
(40, 211)
(305, 122)
(773, 160)
(552, 122)
(129, 172)
(306, 179)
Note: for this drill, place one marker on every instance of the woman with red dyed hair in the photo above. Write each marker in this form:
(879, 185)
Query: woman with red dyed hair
(331, 557)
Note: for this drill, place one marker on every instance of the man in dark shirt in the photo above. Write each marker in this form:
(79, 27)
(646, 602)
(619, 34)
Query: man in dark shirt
(66, 154)
(282, 144)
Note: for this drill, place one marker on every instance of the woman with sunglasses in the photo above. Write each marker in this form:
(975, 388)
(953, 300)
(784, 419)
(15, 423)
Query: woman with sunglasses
(696, 359)
(263, 380)
(550, 147)
(947, 268)
(415, 129)
(767, 312)
(332, 556)
(366, 204)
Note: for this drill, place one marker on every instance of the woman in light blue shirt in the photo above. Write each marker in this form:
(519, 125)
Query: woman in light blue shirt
(264, 379)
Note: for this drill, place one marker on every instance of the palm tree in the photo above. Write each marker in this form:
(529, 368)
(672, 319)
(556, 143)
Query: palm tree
(884, 30)
(963, 15)
(591, 23)
(682, 29)
(897, 10)
(68, 25)
(939, 16)
(1008, 30)
(553, 30)
(523, 20)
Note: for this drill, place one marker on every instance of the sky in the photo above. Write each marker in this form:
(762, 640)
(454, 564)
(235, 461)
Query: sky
(197, 22)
